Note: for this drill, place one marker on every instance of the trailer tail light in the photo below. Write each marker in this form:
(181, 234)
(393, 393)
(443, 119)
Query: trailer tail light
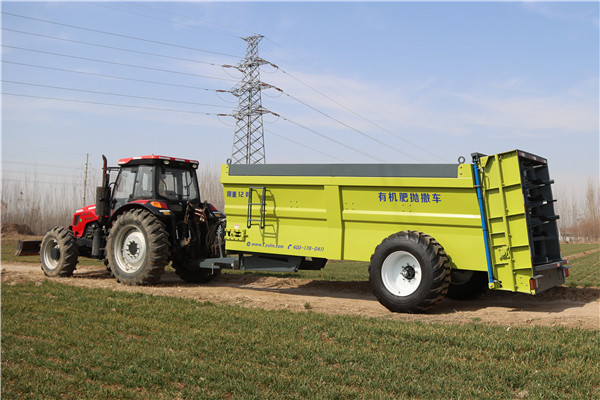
(533, 285)
(567, 272)
(533, 282)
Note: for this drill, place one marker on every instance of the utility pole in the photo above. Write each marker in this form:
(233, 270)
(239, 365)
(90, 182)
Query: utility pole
(248, 140)
(85, 173)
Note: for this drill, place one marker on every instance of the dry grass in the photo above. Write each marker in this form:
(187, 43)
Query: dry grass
(579, 210)
(42, 207)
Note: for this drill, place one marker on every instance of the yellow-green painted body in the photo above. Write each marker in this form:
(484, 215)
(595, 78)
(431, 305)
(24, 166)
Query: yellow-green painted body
(346, 217)
(512, 247)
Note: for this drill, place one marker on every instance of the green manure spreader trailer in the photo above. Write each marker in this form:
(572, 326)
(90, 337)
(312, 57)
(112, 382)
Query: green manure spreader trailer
(428, 230)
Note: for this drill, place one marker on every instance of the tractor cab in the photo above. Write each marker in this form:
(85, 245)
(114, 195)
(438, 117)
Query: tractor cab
(164, 184)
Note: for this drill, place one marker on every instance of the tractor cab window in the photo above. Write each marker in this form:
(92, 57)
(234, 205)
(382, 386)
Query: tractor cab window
(144, 182)
(125, 183)
(178, 184)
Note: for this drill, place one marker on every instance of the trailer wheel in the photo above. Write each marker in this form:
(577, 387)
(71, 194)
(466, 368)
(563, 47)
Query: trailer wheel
(467, 285)
(137, 248)
(409, 272)
(199, 275)
(59, 252)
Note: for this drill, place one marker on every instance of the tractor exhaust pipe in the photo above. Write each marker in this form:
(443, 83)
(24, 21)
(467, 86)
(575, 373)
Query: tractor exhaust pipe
(103, 194)
(104, 166)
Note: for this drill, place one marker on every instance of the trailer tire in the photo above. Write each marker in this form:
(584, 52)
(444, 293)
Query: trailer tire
(467, 285)
(137, 248)
(59, 252)
(199, 275)
(409, 272)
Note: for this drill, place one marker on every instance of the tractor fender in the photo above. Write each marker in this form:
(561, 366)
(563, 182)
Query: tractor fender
(162, 213)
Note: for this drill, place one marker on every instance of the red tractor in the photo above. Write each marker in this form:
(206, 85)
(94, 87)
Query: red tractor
(149, 216)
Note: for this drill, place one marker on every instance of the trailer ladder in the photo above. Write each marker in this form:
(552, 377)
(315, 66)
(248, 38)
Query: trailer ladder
(260, 192)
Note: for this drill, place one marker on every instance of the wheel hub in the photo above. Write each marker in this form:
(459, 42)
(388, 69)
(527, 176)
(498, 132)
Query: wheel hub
(401, 273)
(130, 250)
(51, 254)
(408, 272)
(55, 253)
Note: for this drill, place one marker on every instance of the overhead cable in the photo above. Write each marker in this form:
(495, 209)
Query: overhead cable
(347, 126)
(343, 106)
(113, 104)
(117, 63)
(120, 35)
(170, 22)
(304, 145)
(328, 138)
(116, 77)
(361, 117)
(111, 47)
(113, 94)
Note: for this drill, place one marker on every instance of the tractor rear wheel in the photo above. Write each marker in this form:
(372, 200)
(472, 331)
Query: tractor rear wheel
(59, 252)
(137, 248)
(409, 272)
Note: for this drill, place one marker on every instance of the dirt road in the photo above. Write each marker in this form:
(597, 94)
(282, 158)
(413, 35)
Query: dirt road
(571, 307)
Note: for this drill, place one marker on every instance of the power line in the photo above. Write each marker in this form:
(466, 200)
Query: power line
(110, 47)
(360, 116)
(242, 33)
(114, 94)
(119, 35)
(45, 151)
(71, 167)
(341, 105)
(34, 173)
(347, 126)
(25, 182)
(304, 145)
(165, 20)
(116, 77)
(113, 104)
(116, 63)
(327, 137)
(178, 72)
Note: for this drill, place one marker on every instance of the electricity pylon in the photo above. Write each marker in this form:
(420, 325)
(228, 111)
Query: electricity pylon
(248, 140)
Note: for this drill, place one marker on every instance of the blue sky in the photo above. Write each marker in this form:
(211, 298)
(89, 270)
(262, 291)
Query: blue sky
(416, 82)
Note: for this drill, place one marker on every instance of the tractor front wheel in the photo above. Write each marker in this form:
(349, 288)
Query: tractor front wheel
(137, 248)
(59, 252)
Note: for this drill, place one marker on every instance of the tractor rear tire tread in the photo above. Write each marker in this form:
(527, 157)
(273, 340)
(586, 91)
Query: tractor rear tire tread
(157, 248)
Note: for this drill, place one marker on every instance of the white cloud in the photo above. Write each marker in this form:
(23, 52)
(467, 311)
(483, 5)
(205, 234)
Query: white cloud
(561, 11)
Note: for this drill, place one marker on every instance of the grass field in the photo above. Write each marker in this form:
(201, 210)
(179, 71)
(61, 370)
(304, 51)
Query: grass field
(62, 342)
(585, 271)
(568, 249)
